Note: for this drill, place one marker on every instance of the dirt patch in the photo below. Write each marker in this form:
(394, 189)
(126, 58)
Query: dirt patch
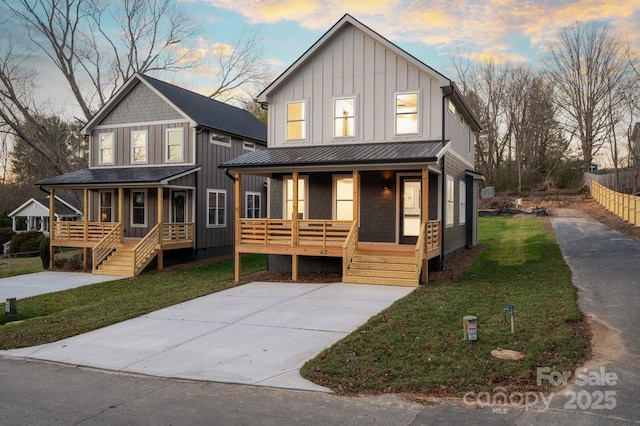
(303, 277)
(458, 264)
(606, 343)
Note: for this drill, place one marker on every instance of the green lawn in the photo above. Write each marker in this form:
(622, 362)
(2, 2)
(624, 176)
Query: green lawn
(417, 344)
(50, 317)
(10, 267)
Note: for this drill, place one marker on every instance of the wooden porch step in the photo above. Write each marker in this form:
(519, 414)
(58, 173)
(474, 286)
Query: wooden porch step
(380, 281)
(375, 267)
(364, 258)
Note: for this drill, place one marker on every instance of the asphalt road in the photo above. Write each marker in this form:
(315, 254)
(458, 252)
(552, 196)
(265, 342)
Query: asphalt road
(606, 270)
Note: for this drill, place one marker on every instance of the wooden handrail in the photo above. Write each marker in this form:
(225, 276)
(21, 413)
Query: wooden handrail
(144, 249)
(349, 247)
(421, 249)
(108, 244)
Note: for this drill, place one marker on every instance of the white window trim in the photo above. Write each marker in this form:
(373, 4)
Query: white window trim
(451, 204)
(100, 205)
(146, 146)
(418, 112)
(166, 144)
(451, 107)
(355, 117)
(146, 210)
(113, 148)
(226, 144)
(248, 146)
(463, 203)
(334, 194)
(284, 195)
(246, 202)
(226, 208)
(305, 120)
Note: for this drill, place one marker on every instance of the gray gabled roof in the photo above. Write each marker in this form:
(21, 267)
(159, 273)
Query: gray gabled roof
(119, 176)
(200, 109)
(318, 156)
(62, 208)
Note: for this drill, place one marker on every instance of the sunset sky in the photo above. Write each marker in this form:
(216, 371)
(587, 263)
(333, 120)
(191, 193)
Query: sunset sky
(518, 31)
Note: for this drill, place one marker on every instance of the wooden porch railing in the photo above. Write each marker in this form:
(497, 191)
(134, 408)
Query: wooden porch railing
(432, 235)
(145, 250)
(108, 244)
(279, 232)
(421, 249)
(349, 247)
(177, 232)
(81, 231)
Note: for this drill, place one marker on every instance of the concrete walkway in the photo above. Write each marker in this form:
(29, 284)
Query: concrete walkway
(258, 333)
(22, 286)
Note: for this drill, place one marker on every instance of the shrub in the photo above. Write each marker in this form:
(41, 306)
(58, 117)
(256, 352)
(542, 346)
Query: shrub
(45, 254)
(71, 264)
(6, 234)
(26, 242)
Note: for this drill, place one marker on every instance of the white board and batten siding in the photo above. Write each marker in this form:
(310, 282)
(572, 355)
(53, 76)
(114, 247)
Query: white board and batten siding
(353, 63)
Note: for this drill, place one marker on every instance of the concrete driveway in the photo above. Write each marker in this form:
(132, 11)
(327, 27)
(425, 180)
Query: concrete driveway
(22, 286)
(258, 333)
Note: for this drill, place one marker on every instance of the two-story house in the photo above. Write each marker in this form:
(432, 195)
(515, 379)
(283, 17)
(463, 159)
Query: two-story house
(152, 184)
(370, 164)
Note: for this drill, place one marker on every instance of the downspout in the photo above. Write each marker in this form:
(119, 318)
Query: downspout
(448, 91)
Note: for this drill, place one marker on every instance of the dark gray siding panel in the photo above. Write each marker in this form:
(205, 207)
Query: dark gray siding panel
(377, 207)
(455, 236)
(139, 105)
(187, 181)
(209, 155)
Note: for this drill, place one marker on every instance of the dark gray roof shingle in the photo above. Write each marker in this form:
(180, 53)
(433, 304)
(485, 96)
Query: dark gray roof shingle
(211, 113)
(117, 175)
(334, 155)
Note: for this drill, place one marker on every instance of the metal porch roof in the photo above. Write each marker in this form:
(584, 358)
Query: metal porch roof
(123, 175)
(336, 155)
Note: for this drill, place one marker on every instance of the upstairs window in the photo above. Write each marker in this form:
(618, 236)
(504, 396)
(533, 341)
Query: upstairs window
(296, 120)
(344, 119)
(463, 203)
(452, 107)
(106, 148)
(248, 146)
(406, 113)
(139, 146)
(174, 140)
(220, 140)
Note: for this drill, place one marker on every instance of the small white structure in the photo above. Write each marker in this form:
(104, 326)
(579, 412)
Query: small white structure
(35, 214)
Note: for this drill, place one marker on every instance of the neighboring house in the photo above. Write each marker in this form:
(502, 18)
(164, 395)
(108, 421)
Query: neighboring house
(370, 162)
(152, 184)
(33, 215)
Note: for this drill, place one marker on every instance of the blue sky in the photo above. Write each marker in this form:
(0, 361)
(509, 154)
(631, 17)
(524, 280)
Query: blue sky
(517, 31)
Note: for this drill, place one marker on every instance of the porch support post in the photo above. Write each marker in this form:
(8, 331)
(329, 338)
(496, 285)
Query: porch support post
(85, 217)
(356, 197)
(294, 229)
(121, 212)
(425, 219)
(160, 251)
(52, 216)
(237, 230)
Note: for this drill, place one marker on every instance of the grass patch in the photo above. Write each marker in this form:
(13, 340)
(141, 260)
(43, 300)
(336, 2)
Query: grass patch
(10, 267)
(54, 316)
(417, 346)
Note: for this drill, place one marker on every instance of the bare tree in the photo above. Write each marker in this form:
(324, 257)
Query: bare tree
(239, 65)
(586, 64)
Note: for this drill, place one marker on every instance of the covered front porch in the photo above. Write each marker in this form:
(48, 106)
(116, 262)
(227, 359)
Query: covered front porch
(128, 222)
(397, 260)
